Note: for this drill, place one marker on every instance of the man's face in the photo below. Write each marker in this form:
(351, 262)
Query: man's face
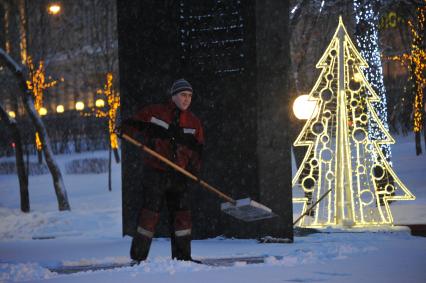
(182, 100)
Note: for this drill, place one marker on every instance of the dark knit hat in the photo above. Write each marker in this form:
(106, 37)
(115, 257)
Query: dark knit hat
(180, 85)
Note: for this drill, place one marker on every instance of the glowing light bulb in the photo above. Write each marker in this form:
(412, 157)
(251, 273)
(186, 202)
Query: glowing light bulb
(54, 9)
(100, 103)
(304, 108)
(79, 106)
(60, 109)
(358, 77)
(12, 114)
(42, 111)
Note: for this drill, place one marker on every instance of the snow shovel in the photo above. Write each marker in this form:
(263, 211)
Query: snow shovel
(244, 209)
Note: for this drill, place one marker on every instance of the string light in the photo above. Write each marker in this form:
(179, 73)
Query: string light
(37, 84)
(367, 39)
(113, 100)
(416, 62)
(341, 155)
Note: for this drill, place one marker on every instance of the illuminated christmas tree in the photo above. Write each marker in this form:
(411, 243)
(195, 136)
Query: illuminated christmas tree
(341, 155)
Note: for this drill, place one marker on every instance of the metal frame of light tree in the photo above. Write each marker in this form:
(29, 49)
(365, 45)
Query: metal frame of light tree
(416, 62)
(341, 156)
(37, 85)
(368, 43)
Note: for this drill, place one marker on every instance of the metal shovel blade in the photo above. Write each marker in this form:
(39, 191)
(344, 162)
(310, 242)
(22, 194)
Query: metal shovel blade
(247, 210)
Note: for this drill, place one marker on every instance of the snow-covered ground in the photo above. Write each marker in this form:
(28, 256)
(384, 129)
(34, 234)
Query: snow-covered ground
(91, 233)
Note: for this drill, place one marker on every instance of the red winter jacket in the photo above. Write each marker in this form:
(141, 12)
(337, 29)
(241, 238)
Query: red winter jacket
(181, 144)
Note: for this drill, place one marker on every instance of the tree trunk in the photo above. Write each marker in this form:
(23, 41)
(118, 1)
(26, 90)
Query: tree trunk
(20, 165)
(109, 170)
(40, 156)
(116, 155)
(58, 183)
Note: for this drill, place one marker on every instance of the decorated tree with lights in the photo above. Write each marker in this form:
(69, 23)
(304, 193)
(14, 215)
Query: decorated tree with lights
(27, 98)
(342, 158)
(37, 84)
(113, 100)
(416, 62)
(367, 38)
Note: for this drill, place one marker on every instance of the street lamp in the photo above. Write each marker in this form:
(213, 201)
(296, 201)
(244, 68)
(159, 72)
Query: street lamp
(100, 103)
(42, 111)
(79, 106)
(60, 109)
(304, 108)
(54, 8)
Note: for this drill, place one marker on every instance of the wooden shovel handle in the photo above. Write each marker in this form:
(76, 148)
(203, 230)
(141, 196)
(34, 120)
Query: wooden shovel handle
(178, 168)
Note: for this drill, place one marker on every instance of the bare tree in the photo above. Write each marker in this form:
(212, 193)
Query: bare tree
(18, 71)
(19, 155)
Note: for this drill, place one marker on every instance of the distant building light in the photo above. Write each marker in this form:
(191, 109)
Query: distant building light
(79, 106)
(100, 103)
(54, 9)
(60, 109)
(42, 111)
(12, 114)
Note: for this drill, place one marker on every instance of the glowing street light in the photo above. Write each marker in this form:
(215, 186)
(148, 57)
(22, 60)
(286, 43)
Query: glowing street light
(54, 9)
(100, 103)
(42, 111)
(60, 109)
(79, 106)
(304, 108)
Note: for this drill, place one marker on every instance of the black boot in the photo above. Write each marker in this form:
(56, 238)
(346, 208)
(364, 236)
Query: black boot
(181, 248)
(140, 248)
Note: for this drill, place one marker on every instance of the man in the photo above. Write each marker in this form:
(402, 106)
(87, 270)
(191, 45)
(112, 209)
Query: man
(176, 133)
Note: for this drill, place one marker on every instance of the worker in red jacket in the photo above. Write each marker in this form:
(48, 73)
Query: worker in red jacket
(177, 134)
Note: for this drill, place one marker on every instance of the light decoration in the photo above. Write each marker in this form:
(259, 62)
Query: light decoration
(367, 38)
(304, 108)
(340, 155)
(60, 108)
(37, 84)
(113, 100)
(416, 62)
(390, 20)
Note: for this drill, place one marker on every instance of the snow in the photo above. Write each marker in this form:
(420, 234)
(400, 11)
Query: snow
(91, 233)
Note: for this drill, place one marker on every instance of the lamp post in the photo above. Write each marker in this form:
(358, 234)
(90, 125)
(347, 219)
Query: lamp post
(54, 8)
(304, 108)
